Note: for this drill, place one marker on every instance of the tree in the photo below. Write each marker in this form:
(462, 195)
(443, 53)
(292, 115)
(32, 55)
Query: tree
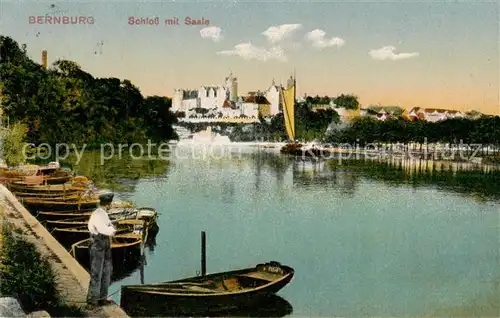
(159, 118)
(347, 101)
(67, 104)
(14, 144)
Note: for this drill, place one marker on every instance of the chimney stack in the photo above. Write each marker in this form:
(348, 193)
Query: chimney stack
(44, 59)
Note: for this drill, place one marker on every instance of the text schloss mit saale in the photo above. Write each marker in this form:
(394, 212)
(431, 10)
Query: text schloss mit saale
(170, 21)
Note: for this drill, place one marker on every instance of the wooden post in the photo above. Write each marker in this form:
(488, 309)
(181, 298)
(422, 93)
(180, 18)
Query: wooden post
(203, 254)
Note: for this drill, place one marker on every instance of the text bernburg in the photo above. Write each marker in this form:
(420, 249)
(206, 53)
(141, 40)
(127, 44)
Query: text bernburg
(45, 19)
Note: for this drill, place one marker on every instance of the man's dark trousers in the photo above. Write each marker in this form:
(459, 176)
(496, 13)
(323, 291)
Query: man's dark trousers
(101, 268)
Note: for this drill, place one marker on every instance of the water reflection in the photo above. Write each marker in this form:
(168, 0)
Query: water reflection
(313, 173)
(271, 306)
(119, 173)
(478, 182)
(265, 160)
(344, 175)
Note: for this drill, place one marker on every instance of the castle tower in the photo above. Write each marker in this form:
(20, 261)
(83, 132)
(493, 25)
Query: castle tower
(44, 59)
(233, 96)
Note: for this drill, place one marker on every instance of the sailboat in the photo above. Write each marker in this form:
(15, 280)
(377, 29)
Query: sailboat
(288, 100)
(292, 147)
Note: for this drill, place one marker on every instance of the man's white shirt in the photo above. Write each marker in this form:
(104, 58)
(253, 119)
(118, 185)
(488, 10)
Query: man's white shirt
(100, 223)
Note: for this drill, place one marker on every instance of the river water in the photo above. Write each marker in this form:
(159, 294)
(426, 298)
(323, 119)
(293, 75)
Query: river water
(365, 238)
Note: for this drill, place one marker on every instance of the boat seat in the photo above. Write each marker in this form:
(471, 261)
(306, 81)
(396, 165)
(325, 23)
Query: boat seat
(270, 277)
(231, 284)
(200, 289)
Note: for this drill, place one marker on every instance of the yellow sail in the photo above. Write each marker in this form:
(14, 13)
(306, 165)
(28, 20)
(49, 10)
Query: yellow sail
(289, 111)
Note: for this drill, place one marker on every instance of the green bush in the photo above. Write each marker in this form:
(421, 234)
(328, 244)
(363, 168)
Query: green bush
(28, 276)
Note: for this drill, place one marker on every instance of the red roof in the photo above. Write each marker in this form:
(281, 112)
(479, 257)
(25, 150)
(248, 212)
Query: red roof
(257, 99)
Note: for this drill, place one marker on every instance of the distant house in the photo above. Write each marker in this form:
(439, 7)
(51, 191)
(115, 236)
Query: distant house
(229, 109)
(433, 114)
(255, 104)
(384, 112)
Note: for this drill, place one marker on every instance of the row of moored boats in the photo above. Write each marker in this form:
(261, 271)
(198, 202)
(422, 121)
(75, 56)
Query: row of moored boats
(63, 203)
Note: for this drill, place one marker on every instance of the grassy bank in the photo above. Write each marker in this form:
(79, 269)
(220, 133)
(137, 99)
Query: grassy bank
(28, 276)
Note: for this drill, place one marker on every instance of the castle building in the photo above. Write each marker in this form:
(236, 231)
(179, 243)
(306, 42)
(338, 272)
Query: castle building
(207, 97)
(273, 95)
(223, 100)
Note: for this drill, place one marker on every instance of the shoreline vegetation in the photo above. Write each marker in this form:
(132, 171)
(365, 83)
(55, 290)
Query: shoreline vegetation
(64, 104)
(28, 276)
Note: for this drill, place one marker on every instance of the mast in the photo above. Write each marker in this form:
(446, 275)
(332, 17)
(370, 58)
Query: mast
(294, 92)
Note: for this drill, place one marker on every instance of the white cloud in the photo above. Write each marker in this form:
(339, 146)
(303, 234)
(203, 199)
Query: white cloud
(213, 33)
(387, 53)
(249, 51)
(277, 33)
(317, 37)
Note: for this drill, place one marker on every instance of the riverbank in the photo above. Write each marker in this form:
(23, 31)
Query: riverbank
(491, 157)
(71, 278)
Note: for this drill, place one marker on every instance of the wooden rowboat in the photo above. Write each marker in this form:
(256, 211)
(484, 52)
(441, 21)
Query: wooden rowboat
(149, 215)
(54, 205)
(82, 219)
(66, 194)
(116, 207)
(211, 293)
(16, 173)
(56, 178)
(61, 198)
(9, 180)
(125, 249)
(68, 236)
(55, 188)
(71, 214)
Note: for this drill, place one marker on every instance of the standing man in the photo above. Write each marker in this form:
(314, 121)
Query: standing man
(101, 267)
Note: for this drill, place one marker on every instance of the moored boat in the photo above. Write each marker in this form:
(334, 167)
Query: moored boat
(114, 213)
(59, 177)
(211, 293)
(68, 219)
(8, 180)
(149, 215)
(34, 204)
(70, 232)
(116, 208)
(54, 188)
(60, 198)
(42, 195)
(125, 249)
(297, 149)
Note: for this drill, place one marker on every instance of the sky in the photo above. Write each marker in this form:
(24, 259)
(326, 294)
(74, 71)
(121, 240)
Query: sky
(433, 54)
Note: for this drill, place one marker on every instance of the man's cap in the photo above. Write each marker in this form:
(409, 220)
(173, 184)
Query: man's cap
(106, 198)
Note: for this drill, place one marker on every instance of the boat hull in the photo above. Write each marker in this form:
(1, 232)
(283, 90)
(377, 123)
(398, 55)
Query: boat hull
(123, 257)
(62, 189)
(135, 300)
(35, 205)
